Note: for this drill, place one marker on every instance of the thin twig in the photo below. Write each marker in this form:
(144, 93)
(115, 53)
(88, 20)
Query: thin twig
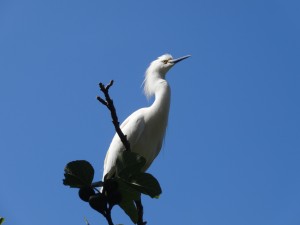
(86, 221)
(108, 217)
(108, 102)
(140, 209)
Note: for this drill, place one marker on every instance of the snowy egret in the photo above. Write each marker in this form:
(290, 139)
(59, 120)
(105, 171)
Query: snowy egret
(145, 128)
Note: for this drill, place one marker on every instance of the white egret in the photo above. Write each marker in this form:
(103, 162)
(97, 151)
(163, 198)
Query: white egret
(145, 128)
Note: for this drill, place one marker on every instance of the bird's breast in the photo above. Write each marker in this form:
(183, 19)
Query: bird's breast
(150, 142)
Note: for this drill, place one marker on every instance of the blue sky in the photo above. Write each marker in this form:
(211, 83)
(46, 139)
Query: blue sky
(232, 150)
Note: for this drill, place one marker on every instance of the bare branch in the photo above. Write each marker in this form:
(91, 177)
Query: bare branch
(108, 102)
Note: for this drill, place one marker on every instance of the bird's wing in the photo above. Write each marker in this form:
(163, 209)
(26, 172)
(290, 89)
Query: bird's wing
(132, 127)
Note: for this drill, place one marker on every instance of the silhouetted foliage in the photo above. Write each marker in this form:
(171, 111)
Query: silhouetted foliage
(122, 186)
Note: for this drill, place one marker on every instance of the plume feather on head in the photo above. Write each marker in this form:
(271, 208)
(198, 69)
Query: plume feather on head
(156, 70)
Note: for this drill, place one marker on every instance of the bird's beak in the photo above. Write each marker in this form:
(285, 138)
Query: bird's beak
(179, 59)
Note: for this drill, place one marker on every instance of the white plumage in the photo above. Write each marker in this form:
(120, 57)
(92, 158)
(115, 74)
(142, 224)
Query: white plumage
(145, 128)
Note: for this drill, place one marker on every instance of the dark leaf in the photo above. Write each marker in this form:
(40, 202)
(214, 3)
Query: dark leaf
(85, 193)
(129, 163)
(130, 209)
(98, 202)
(78, 174)
(1, 220)
(111, 191)
(110, 185)
(114, 197)
(110, 174)
(146, 184)
(127, 192)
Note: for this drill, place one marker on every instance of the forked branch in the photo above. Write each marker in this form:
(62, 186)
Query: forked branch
(108, 102)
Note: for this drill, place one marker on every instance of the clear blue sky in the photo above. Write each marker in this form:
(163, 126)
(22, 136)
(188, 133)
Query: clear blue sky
(232, 150)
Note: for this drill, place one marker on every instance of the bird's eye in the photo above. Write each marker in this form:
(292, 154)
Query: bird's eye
(165, 61)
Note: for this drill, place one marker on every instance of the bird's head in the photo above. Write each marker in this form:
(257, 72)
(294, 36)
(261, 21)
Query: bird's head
(158, 70)
(164, 63)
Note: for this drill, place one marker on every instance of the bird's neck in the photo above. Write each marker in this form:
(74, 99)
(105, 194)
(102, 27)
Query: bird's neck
(161, 105)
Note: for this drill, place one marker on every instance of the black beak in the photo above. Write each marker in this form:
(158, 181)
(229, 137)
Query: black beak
(179, 59)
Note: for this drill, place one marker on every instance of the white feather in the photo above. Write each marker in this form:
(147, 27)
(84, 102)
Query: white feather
(146, 127)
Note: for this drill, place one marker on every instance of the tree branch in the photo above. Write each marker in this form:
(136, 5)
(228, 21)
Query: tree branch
(140, 210)
(108, 102)
(108, 217)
